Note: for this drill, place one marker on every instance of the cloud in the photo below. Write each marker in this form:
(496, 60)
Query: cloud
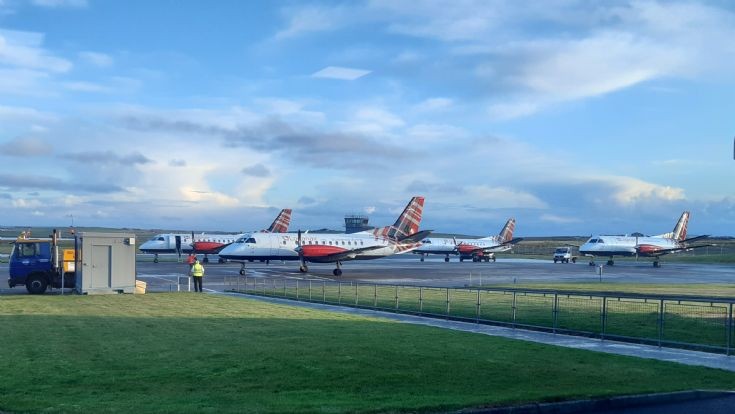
(503, 197)
(97, 59)
(23, 50)
(320, 148)
(16, 182)
(257, 170)
(177, 163)
(25, 147)
(81, 86)
(310, 19)
(434, 104)
(553, 218)
(306, 200)
(24, 114)
(341, 73)
(53, 4)
(108, 157)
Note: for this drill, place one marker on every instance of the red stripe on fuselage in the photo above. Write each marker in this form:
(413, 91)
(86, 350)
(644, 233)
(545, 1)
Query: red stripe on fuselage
(205, 247)
(321, 250)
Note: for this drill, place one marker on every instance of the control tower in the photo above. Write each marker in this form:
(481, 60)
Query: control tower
(356, 222)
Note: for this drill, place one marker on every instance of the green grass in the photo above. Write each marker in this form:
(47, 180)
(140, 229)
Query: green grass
(689, 289)
(202, 353)
(697, 323)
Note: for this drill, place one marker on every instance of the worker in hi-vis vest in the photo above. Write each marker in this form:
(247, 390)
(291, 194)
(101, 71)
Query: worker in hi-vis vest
(197, 273)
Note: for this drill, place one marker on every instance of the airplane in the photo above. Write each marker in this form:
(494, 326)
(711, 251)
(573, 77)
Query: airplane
(403, 236)
(205, 243)
(643, 246)
(475, 249)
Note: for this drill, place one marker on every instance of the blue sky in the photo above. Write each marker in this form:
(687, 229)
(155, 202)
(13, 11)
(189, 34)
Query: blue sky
(575, 117)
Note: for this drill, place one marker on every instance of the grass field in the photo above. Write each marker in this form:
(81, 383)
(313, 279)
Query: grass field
(203, 353)
(699, 289)
(702, 324)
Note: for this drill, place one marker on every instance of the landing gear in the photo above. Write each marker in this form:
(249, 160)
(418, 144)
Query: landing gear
(610, 262)
(461, 259)
(494, 259)
(338, 270)
(242, 270)
(656, 263)
(221, 260)
(422, 257)
(592, 262)
(446, 259)
(206, 259)
(155, 258)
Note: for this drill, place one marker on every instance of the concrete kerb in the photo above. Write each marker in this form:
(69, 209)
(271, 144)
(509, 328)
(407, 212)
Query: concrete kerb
(613, 403)
(682, 356)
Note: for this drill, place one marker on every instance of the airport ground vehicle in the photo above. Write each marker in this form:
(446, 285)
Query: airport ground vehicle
(564, 255)
(36, 264)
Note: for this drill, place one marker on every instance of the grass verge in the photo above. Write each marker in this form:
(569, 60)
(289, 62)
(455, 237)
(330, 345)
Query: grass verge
(168, 353)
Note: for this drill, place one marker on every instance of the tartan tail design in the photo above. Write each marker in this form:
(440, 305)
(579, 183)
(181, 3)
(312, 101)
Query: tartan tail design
(506, 234)
(407, 223)
(281, 223)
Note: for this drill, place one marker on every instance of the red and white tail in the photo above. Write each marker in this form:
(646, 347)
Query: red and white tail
(680, 230)
(408, 222)
(506, 234)
(280, 224)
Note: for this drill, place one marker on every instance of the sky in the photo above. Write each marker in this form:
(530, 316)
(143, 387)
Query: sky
(574, 117)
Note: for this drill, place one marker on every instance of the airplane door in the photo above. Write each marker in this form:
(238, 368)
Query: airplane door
(274, 246)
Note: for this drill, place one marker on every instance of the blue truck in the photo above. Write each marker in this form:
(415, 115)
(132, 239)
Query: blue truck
(37, 264)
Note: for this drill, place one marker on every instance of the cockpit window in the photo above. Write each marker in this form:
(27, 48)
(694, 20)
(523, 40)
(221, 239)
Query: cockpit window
(250, 240)
(426, 241)
(593, 241)
(159, 239)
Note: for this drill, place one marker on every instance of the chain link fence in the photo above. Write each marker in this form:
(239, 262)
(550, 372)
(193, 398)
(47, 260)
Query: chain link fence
(688, 322)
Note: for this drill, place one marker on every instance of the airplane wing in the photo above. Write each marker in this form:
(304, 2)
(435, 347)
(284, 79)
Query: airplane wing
(661, 252)
(415, 237)
(694, 239)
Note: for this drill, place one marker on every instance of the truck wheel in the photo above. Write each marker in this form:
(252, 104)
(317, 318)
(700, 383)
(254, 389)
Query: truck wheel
(574, 260)
(555, 260)
(36, 283)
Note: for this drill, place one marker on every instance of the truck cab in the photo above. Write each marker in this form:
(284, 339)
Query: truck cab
(564, 255)
(33, 264)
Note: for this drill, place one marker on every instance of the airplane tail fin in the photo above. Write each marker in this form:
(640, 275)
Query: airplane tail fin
(680, 230)
(506, 234)
(407, 223)
(280, 224)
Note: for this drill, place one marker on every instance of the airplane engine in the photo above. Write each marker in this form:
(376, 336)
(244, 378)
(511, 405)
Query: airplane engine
(648, 249)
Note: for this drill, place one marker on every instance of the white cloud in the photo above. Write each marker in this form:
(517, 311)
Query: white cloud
(97, 59)
(632, 190)
(25, 147)
(23, 50)
(379, 116)
(60, 3)
(557, 219)
(434, 104)
(81, 86)
(485, 196)
(24, 114)
(342, 73)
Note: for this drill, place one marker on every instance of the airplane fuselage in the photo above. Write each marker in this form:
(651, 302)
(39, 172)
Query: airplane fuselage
(283, 246)
(445, 245)
(626, 245)
(167, 243)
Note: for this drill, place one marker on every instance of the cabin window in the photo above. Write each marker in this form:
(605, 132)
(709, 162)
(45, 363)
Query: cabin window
(160, 239)
(250, 240)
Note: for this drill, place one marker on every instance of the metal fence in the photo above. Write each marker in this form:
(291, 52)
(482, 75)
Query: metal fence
(689, 322)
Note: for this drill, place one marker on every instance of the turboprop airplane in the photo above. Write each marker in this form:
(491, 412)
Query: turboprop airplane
(403, 236)
(475, 249)
(205, 243)
(643, 246)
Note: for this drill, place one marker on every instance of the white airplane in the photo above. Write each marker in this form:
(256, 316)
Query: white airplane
(403, 236)
(205, 243)
(475, 249)
(645, 246)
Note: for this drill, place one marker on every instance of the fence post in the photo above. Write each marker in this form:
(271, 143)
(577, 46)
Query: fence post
(297, 289)
(375, 296)
(238, 283)
(447, 303)
(189, 279)
(477, 311)
(357, 293)
(729, 330)
(339, 292)
(660, 321)
(274, 286)
(324, 291)
(513, 307)
(421, 299)
(555, 311)
(396, 297)
(603, 316)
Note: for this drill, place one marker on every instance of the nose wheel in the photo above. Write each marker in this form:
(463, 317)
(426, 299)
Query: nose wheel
(242, 270)
(303, 268)
(155, 258)
(446, 259)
